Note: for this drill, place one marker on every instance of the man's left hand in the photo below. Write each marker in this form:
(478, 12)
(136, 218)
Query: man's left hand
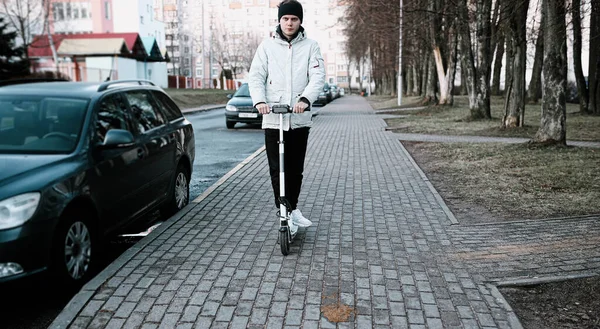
(300, 107)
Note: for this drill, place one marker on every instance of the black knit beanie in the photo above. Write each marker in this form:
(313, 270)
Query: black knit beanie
(290, 8)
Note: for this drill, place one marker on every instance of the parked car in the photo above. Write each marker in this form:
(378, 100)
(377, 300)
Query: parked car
(334, 91)
(324, 96)
(240, 108)
(328, 92)
(83, 161)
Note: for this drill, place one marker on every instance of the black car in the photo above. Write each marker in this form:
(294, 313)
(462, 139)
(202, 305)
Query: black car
(325, 96)
(83, 161)
(240, 108)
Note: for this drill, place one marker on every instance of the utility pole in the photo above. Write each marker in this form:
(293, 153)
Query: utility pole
(400, 59)
(203, 48)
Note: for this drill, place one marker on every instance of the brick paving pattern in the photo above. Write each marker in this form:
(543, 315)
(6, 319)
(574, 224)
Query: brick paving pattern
(381, 244)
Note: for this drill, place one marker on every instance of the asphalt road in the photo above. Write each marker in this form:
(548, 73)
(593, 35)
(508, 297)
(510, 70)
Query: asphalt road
(35, 302)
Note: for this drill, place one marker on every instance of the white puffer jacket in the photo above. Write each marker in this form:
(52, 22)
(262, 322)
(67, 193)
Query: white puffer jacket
(282, 73)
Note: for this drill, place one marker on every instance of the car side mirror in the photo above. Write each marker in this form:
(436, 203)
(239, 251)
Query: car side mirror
(116, 138)
(229, 96)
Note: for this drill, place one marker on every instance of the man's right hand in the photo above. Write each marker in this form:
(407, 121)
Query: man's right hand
(263, 108)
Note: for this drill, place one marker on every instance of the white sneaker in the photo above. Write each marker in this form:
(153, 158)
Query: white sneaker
(293, 228)
(299, 219)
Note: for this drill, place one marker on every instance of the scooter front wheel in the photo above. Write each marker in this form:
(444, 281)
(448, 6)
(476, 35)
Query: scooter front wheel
(284, 240)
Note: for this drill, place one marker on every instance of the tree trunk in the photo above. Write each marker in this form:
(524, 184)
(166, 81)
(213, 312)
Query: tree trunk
(463, 78)
(416, 80)
(553, 122)
(451, 67)
(430, 97)
(424, 75)
(484, 8)
(498, 66)
(516, 101)
(409, 80)
(468, 60)
(582, 89)
(594, 66)
(508, 69)
(534, 92)
(441, 75)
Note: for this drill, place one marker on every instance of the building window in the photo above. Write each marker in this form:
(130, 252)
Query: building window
(198, 72)
(84, 12)
(69, 13)
(75, 11)
(141, 19)
(57, 11)
(342, 79)
(331, 68)
(186, 50)
(107, 10)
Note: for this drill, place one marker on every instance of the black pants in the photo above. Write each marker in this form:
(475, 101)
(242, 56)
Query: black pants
(295, 151)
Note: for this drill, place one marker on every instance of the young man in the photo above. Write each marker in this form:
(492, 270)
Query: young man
(287, 69)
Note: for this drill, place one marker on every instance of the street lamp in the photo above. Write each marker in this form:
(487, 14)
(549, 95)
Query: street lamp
(400, 60)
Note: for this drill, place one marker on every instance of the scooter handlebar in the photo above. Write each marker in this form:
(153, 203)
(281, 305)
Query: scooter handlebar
(284, 108)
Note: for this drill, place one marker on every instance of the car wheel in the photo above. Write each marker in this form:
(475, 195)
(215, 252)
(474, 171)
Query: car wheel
(230, 124)
(180, 192)
(73, 252)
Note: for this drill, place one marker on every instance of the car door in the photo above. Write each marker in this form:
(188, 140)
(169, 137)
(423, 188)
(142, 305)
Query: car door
(115, 180)
(158, 145)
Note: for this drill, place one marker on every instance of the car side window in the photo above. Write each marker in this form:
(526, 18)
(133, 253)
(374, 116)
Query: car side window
(144, 110)
(110, 115)
(169, 107)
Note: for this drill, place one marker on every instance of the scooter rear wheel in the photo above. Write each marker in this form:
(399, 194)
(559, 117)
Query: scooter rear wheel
(284, 241)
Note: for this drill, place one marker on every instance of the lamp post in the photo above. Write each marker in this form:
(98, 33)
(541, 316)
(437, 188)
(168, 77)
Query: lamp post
(400, 60)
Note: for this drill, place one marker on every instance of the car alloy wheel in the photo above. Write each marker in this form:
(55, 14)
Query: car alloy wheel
(77, 250)
(181, 190)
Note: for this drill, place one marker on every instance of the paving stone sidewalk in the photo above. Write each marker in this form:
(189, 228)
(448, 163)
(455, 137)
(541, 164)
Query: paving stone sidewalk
(383, 243)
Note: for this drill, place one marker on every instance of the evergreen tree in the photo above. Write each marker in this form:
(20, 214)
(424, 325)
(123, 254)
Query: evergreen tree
(12, 63)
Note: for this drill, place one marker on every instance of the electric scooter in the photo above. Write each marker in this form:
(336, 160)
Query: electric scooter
(286, 236)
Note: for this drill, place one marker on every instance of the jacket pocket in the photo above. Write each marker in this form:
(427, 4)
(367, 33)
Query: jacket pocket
(274, 96)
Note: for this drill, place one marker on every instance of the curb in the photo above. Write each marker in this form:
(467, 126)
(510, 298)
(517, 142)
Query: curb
(438, 197)
(218, 183)
(521, 282)
(80, 300)
(203, 109)
(513, 320)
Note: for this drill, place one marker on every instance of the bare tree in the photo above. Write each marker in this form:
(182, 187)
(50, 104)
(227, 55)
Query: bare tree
(553, 121)
(26, 17)
(594, 66)
(444, 54)
(515, 110)
(534, 92)
(228, 49)
(582, 88)
(252, 42)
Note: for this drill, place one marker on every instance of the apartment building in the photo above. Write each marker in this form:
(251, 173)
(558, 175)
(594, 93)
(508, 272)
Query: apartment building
(204, 37)
(106, 16)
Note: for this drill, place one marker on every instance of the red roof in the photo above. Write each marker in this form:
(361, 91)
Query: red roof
(40, 46)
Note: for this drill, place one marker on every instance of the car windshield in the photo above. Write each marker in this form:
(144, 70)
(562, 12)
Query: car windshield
(243, 91)
(40, 125)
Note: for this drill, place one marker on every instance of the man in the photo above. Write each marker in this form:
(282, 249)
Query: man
(287, 69)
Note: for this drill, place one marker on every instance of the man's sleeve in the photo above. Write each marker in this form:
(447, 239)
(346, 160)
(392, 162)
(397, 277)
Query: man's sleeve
(257, 76)
(316, 75)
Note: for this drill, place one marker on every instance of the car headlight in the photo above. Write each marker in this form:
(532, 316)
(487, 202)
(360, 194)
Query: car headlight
(231, 108)
(17, 210)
